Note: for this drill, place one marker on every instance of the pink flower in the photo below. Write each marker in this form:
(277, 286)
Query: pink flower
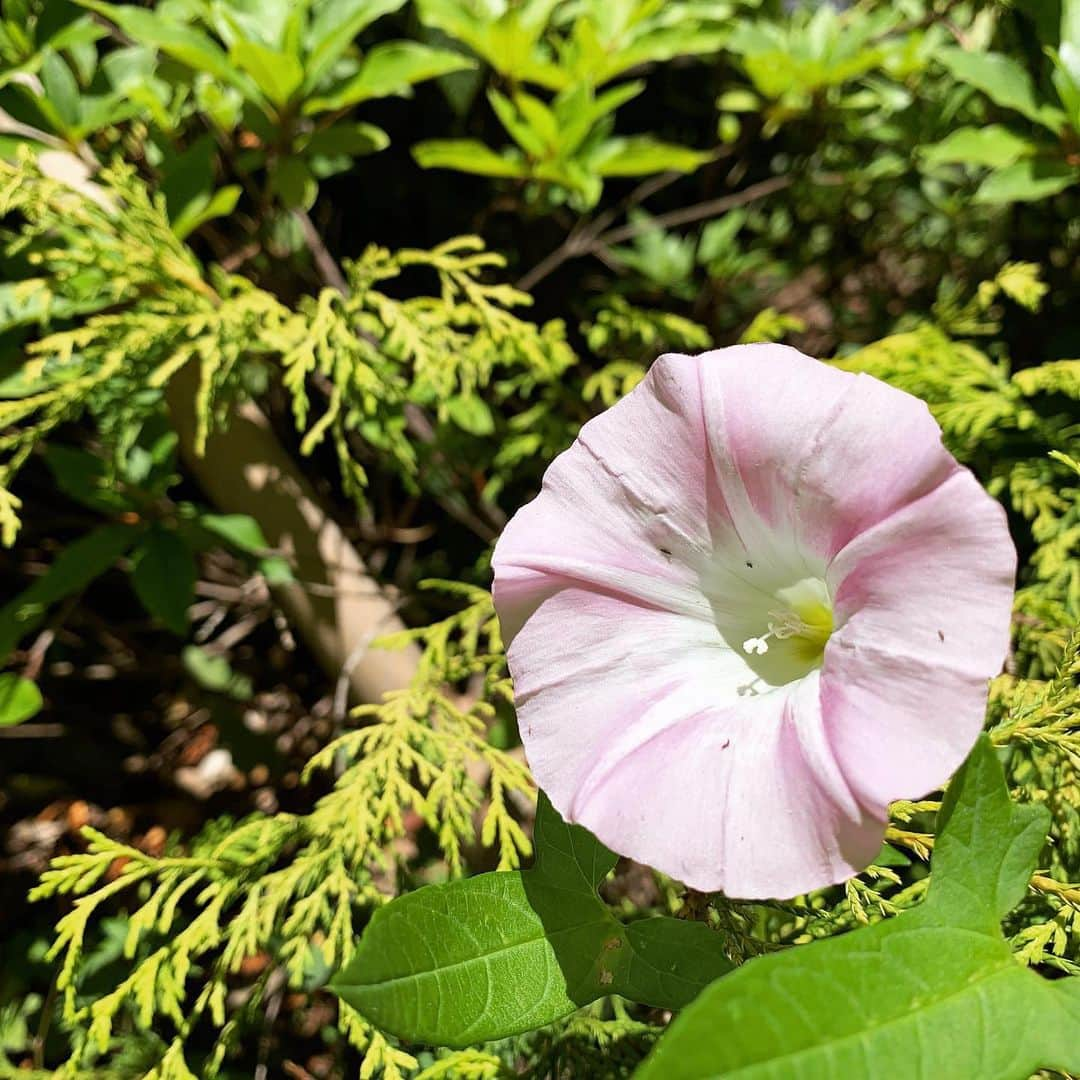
(754, 603)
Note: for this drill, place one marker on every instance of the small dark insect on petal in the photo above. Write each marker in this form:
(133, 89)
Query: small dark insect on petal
(941, 636)
(750, 564)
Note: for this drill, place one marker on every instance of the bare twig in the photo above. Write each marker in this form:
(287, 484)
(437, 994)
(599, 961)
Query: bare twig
(699, 211)
(587, 239)
(325, 263)
(583, 236)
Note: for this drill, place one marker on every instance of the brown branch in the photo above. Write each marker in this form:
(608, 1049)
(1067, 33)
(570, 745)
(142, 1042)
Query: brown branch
(325, 263)
(699, 211)
(583, 236)
(587, 239)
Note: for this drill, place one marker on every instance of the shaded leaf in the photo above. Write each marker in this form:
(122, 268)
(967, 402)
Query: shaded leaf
(215, 673)
(82, 476)
(199, 211)
(74, 568)
(164, 578)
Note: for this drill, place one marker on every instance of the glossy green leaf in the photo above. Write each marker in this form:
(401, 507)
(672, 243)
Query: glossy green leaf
(471, 414)
(1003, 80)
(467, 155)
(528, 121)
(935, 992)
(1070, 23)
(334, 25)
(994, 146)
(334, 149)
(391, 68)
(61, 89)
(73, 569)
(1026, 181)
(176, 39)
(499, 954)
(277, 74)
(201, 210)
(640, 155)
(164, 578)
(242, 531)
(19, 699)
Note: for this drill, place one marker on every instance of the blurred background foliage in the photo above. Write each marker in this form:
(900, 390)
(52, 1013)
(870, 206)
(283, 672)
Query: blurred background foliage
(277, 271)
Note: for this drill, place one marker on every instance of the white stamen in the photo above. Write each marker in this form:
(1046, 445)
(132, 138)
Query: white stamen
(757, 645)
(785, 624)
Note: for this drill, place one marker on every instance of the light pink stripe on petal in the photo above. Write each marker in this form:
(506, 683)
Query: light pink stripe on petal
(755, 602)
(923, 602)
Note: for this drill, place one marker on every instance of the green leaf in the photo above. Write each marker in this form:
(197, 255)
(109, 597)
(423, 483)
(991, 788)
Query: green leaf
(333, 149)
(640, 155)
(164, 578)
(1070, 23)
(19, 699)
(206, 208)
(934, 992)
(334, 26)
(240, 530)
(499, 954)
(467, 155)
(176, 39)
(391, 68)
(276, 570)
(1026, 181)
(1066, 80)
(994, 146)
(1002, 80)
(82, 476)
(215, 673)
(278, 75)
(74, 568)
(528, 121)
(61, 89)
(471, 414)
(294, 183)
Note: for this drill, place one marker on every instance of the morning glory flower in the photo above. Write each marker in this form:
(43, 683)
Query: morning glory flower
(755, 602)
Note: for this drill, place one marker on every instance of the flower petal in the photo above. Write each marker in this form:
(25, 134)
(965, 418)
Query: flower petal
(627, 508)
(807, 450)
(641, 726)
(923, 604)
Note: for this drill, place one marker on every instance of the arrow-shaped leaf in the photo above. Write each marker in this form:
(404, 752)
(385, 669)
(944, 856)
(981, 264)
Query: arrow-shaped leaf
(935, 992)
(503, 953)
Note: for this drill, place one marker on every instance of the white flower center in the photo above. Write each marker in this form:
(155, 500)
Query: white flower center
(777, 625)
